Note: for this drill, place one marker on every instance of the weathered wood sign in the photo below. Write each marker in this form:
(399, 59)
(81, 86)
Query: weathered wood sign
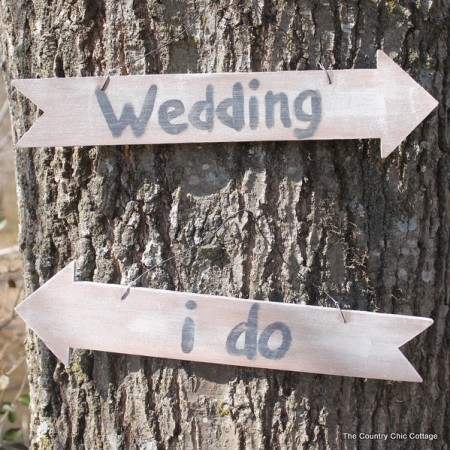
(166, 324)
(384, 103)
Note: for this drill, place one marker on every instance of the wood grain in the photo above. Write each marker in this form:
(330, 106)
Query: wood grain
(383, 103)
(180, 325)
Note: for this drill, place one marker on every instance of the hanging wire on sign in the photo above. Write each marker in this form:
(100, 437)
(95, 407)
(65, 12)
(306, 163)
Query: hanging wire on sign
(221, 226)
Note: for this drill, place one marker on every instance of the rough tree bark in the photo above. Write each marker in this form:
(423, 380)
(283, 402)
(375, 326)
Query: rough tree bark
(373, 233)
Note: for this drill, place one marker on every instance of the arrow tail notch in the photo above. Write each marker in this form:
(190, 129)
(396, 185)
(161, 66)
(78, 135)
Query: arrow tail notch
(386, 333)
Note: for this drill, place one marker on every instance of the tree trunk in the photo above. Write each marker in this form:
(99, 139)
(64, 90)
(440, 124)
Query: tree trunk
(372, 233)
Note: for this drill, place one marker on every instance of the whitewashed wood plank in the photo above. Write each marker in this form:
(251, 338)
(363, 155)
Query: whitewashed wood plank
(383, 103)
(196, 327)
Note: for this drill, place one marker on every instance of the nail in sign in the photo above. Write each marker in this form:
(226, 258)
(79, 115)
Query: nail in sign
(67, 314)
(384, 103)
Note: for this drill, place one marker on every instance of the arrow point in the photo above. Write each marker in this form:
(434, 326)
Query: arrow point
(27, 310)
(407, 102)
(36, 311)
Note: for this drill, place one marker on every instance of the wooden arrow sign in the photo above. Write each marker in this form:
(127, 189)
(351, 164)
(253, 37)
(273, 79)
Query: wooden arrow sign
(179, 325)
(384, 103)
